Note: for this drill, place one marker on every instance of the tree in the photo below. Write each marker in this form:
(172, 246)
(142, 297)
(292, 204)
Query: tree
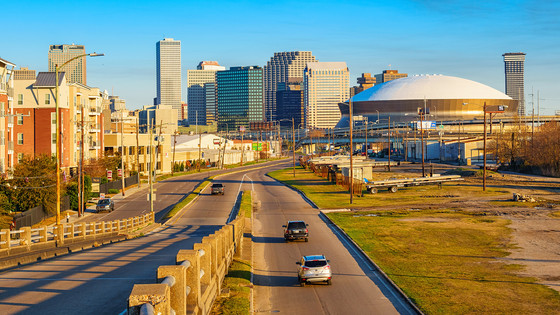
(32, 183)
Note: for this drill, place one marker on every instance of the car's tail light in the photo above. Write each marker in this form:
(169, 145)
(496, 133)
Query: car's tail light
(327, 267)
(306, 231)
(304, 268)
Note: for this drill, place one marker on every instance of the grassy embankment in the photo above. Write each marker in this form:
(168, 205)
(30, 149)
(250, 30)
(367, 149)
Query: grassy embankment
(238, 279)
(327, 195)
(447, 261)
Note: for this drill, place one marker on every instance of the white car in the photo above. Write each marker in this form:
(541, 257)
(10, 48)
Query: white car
(314, 268)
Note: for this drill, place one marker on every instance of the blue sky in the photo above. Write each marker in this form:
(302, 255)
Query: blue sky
(457, 38)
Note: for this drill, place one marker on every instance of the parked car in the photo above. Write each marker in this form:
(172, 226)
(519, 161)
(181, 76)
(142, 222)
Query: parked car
(295, 230)
(314, 268)
(105, 204)
(217, 188)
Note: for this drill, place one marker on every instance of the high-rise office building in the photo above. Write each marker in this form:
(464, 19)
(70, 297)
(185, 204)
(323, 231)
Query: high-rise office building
(388, 75)
(325, 85)
(196, 93)
(76, 69)
(365, 82)
(168, 64)
(289, 104)
(283, 67)
(239, 97)
(210, 102)
(515, 86)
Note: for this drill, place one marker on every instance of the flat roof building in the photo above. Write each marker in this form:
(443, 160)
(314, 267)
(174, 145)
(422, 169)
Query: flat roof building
(325, 85)
(76, 69)
(239, 97)
(168, 68)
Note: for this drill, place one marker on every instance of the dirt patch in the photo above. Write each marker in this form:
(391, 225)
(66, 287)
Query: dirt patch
(434, 220)
(535, 229)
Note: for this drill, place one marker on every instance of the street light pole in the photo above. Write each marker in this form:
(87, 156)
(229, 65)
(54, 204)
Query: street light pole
(484, 151)
(389, 142)
(58, 130)
(351, 153)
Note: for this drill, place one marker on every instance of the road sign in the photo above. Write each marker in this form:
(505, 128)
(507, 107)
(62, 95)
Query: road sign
(426, 125)
(119, 172)
(109, 175)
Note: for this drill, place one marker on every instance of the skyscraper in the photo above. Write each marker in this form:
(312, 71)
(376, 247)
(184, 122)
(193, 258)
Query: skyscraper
(197, 90)
(325, 85)
(168, 63)
(515, 86)
(283, 67)
(388, 75)
(239, 97)
(76, 69)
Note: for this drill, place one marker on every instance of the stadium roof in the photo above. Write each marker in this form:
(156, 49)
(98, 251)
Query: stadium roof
(429, 87)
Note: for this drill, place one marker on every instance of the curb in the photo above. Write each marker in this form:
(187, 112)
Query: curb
(303, 195)
(377, 268)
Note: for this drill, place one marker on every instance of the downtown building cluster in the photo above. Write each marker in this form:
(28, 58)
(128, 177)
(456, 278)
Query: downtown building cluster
(292, 86)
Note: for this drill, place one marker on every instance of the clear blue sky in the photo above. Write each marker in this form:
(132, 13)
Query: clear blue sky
(457, 38)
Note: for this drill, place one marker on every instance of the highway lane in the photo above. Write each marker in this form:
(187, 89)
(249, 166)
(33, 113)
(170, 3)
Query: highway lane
(168, 193)
(354, 289)
(98, 281)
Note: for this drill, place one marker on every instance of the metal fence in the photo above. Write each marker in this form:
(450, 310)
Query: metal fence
(37, 214)
(117, 184)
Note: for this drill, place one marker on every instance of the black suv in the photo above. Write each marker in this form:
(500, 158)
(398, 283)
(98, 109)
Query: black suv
(295, 230)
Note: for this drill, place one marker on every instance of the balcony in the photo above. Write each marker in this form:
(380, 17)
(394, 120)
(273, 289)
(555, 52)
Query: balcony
(93, 112)
(94, 145)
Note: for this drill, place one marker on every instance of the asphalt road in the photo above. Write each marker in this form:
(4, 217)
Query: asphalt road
(354, 288)
(98, 281)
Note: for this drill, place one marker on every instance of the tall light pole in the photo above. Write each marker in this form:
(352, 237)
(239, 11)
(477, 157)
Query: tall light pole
(57, 69)
(351, 153)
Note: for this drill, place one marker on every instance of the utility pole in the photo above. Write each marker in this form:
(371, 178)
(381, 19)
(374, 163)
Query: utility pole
(351, 153)
(122, 153)
(293, 148)
(484, 168)
(242, 148)
(199, 151)
(81, 177)
(366, 139)
(137, 154)
(151, 167)
(389, 143)
(422, 140)
(174, 143)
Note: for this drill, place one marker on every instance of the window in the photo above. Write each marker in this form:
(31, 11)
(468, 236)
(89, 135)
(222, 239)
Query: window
(53, 118)
(53, 138)
(20, 99)
(47, 99)
(20, 138)
(20, 119)
(20, 157)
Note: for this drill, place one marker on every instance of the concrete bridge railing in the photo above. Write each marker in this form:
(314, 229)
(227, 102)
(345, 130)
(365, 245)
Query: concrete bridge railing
(28, 239)
(193, 283)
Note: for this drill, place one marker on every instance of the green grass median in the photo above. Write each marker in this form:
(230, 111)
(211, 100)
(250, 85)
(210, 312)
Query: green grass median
(238, 279)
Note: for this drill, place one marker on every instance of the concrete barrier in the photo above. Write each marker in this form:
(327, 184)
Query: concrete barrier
(194, 283)
(27, 239)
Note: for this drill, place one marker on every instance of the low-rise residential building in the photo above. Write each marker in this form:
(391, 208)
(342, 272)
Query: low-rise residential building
(34, 112)
(6, 100)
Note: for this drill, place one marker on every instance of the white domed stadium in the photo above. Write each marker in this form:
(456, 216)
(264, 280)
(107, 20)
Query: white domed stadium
(445, 98)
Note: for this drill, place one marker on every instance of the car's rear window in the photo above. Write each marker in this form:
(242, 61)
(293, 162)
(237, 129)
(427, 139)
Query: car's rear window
(103, 202)
(315, 263)
(216, 185)
(296, 225)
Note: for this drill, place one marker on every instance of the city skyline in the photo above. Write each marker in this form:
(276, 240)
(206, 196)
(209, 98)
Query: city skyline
(457, 39)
